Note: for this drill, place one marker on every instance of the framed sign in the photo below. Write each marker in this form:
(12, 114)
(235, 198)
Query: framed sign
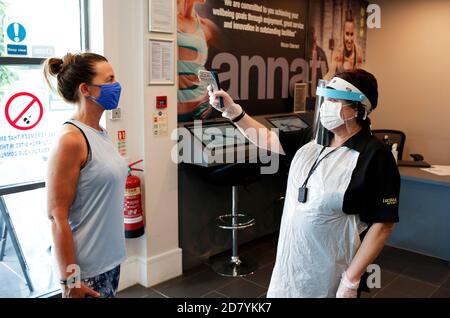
(161, 62)
(160, 16)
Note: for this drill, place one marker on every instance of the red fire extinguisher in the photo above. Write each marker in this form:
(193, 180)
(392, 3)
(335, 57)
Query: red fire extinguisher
(133, 216)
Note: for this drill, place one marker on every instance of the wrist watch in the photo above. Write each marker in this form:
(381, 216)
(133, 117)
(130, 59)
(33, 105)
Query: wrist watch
(238, 118)
(68, 282)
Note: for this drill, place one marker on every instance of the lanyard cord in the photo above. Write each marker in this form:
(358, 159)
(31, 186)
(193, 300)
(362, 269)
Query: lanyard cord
(317, 163)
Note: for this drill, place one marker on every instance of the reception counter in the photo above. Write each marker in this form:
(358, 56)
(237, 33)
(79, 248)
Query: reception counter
(424, 214)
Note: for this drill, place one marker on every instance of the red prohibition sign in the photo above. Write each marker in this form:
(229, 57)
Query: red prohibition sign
(13, 121)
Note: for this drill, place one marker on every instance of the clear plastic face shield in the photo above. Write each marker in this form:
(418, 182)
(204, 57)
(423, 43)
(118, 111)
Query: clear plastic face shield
(336, 108)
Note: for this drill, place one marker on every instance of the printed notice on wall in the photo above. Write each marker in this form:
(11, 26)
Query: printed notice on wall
(160, 124)
(122, 143)
(161, 62)
(160, 16)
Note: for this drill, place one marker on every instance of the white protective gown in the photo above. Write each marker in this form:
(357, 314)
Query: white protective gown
(317, 240)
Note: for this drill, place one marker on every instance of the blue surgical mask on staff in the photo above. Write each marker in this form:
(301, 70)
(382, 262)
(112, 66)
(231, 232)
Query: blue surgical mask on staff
(109, 95)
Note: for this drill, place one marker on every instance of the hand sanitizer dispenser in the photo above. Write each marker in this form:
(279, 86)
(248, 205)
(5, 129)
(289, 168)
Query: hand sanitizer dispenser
(395, 151)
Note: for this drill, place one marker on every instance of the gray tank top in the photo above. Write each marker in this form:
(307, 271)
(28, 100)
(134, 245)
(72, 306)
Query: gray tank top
(96, 215)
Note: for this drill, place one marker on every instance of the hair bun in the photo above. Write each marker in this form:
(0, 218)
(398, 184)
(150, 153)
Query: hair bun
(55, 66)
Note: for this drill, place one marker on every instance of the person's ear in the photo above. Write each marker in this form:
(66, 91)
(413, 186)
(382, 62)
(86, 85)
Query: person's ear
(84, 90)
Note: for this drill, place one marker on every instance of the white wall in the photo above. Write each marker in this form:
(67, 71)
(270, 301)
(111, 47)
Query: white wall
(409, 56)
(155, 257)
(164, 255)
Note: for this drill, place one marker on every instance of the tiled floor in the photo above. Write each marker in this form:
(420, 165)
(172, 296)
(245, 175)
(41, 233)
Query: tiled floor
(404, 275)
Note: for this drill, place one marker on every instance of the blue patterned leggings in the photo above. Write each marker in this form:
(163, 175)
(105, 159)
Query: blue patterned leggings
(106, 284)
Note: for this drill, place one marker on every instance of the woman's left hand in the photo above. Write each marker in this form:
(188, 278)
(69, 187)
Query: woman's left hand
(347, 289)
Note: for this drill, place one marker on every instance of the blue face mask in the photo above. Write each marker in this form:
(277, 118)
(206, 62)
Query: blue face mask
(109, 95)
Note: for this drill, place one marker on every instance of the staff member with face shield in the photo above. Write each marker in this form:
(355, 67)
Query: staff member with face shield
(342, 194)
(86, 180)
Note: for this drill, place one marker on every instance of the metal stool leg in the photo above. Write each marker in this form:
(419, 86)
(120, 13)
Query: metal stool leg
(15, 243)
(234, 213)
(234, 266)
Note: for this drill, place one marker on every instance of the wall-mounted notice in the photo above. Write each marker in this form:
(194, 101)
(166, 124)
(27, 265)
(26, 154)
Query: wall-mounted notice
(161, 62)
(160, 16)
(160, 124)
(122, 142)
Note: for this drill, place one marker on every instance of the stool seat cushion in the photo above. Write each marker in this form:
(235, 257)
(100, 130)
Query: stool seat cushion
(237, 174)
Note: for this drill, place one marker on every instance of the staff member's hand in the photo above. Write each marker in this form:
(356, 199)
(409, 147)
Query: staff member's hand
(82, 292)
(230, 109)
(347, 289)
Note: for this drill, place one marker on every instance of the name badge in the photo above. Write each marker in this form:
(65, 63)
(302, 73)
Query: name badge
(302, 194)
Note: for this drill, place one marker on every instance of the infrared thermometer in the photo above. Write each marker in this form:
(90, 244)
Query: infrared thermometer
(211, 78)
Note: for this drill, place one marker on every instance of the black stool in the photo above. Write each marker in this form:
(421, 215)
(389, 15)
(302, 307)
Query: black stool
(234, 175)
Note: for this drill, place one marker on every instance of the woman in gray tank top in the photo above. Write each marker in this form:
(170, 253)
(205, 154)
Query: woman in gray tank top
(86, 180)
